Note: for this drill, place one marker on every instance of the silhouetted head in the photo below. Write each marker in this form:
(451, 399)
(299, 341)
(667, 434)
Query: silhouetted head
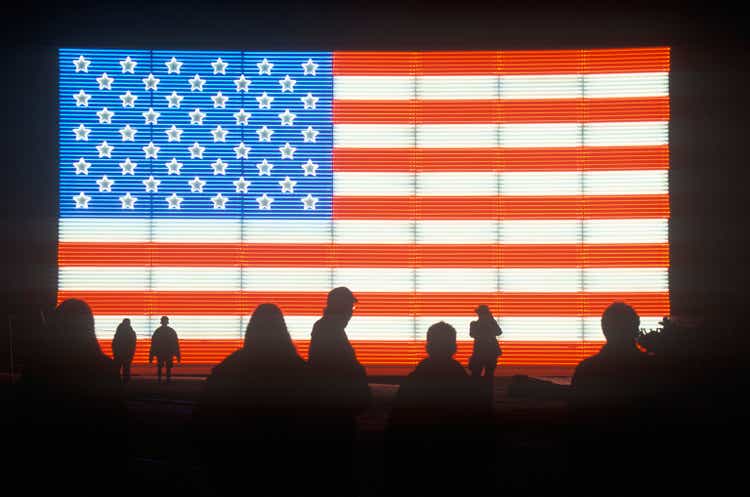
(126, 321)
(620, 324)
(483, 311)
(164, 320)
(340, 301)
(74, 327)
(441, 340)
(267, 333)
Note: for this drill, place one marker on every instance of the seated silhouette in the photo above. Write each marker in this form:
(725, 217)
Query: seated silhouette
(436, 423)
(253, 413)
(72, 411)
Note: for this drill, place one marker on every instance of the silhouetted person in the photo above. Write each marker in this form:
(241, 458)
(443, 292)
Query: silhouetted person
(255, 407)
(165, 347)
(435, 427)
(484, 331)
(73, 417)
(345, 392)
(123, 348)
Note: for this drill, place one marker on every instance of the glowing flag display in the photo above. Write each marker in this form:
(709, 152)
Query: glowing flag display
(200, 184)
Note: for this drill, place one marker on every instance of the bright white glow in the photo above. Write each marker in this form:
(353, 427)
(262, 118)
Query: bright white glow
(456, 135)
(642, 84)
(540, 135)
(626, 182)
(373, 183)
(457, 87)
(626, 279)
(541, 86)
(470, 232)
(535, 231)
(457, 279)
(286, 279)
(373, 135)
(626, 231)
(373, 87)
(375, 279)
(622, 134)
(541, 280)
(373, 231)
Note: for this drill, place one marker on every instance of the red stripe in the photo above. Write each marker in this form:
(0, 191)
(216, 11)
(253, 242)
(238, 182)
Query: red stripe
(503, 207)
(500, 111)
(385, 352)
(501, 159)
(361, 255)
(370, 304)
(530, 62)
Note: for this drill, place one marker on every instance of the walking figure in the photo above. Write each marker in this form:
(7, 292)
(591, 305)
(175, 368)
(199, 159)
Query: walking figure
(123, 348)
(165, 346)
(484, 331)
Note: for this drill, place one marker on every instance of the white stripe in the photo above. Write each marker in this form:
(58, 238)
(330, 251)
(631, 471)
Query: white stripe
(541, 280)
(457, 184)
(176, 279)
(446, 232)
(457, 279)
(396, 231)
(373, 87)
(626, 231)
(373, 231)
(457, 87)
(373, 183)
(375, 279)
(286, 279)
(456, 135)
(104, 230)
(625, 182)
(103, 278)
(541, 87)
(540, 135)
(625, 134)
(626, 280)
(531, 328)
(373, 135)
(541, 183)
(197, 230)
(642, 84)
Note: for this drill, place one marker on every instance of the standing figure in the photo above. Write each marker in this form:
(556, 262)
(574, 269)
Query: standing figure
(165, 346)
(484, 331)
(123, 348)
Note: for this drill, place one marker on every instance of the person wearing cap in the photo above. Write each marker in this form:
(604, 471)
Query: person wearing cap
(164, 346)
(484, 331)
(344, 392)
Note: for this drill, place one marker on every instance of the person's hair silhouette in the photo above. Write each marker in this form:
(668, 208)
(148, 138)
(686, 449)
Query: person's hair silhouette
(620, 325)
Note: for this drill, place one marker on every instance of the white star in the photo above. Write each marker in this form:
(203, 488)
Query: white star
(82, 167)
(264, 134)
(264, 67)
(128, 167)
(82, 201)
(196, 117)
(196, 185)
(287, 151)
(287, 118)
(128, 201)
(264, 202)
(82, 64)
(240, 186)
(220, 167)
(242, 83)
(151, 184)
(220, 67)
(128, 65)
(287, 84)
(173, 167)
(196, 151)
(150, 82)
(81, 132)
(310, 67)
(310, 168)
(241, 150)
(287, 185)
(173, 66)
(105, 116)
(151, 151)
(309, 101)
(174, 100)
(128, 99)
(173, 133)
(105, 184)
(174, 201)
(219, 101)
(128, 133)
(242, 117)
(309, 202)
(82, 99)
(264, 168)
(309, 134)
(220, 134)
(219, 201)
(151, 116)
(105, 82)
(105, 150)
(196, 83)
(264, 101)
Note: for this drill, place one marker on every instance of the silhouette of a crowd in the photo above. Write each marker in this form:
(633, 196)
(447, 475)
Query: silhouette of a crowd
(271, 421)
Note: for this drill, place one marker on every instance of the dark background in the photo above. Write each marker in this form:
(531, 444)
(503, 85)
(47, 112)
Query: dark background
(709, 92)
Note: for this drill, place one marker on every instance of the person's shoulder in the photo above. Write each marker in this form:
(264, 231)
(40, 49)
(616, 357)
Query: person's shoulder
(230, 362)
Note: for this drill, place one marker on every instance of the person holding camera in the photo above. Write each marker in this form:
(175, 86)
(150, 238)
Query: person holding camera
(484, 331)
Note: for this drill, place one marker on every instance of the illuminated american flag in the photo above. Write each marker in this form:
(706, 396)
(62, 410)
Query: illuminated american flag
(200, 184)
